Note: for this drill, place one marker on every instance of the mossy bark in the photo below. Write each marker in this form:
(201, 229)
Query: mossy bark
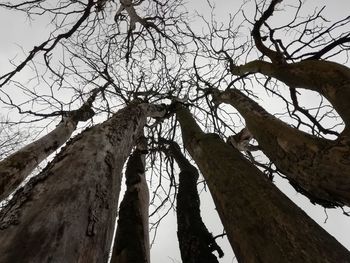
(196, 242)
(319, 168)
(132, 237)
(261, 223)
(67, 212)
(330, 79)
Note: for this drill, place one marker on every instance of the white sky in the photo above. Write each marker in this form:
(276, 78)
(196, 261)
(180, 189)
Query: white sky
(15, 32)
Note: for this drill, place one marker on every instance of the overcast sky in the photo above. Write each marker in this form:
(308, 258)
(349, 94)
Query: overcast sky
(17, 31)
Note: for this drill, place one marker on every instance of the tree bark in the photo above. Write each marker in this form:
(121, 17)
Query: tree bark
(16, 167)
(317, 167)
(197, 244)
(67, 212)
(132, 237)
(330, 79)
(262, 224)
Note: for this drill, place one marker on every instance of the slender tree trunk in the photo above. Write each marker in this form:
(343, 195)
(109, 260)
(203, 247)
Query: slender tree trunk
(330, 79)
(262, 224)
(132, 237)
(15, 168)
(318, 168)
(196, 242)
(67, 212)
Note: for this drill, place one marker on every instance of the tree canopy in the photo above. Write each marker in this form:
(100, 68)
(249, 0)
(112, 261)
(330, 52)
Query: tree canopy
(271, 78)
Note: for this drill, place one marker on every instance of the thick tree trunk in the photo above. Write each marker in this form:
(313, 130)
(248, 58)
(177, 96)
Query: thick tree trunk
(15, 168)
(330, 79)
(67, 212)
(196, 243)
(262, 224)
(132, 237)
(318, 168)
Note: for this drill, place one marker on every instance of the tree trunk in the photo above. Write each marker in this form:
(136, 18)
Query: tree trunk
(262, 224)
(330, 79)
(67, 212)
(196, 243)
(317, 167)
(15, 168)
(132, 237)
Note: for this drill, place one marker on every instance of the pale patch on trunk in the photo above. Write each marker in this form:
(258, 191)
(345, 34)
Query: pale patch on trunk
(283, 144)
(197, 150)
(241, 140)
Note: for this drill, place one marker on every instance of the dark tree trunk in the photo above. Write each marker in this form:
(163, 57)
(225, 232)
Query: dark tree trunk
(132, 237)
(196, 243)
(318, 168)
(262, 224)
(67, 212)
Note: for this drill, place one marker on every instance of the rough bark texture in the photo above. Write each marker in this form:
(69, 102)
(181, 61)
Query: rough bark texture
(318, 168)
(15, 168)
(262, 224)
(132, 237)
(196, 242)
(67, 212)
(330, 79)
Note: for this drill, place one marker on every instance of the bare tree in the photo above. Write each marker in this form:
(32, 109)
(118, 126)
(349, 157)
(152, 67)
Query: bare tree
(16, 167)
(307, 160)
(248, 203)
(63, 224)
(128, 60)
(319, 167)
